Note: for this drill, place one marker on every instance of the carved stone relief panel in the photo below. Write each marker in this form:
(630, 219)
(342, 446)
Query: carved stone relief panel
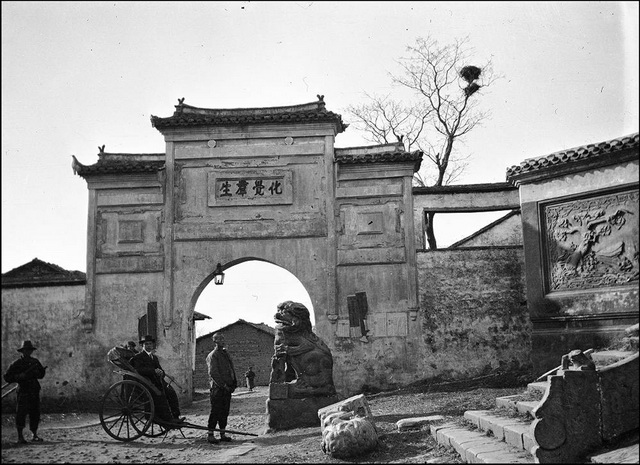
(591, 242)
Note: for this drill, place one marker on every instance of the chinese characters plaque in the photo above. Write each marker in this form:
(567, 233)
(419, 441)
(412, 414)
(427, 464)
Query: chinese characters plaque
(250, 187)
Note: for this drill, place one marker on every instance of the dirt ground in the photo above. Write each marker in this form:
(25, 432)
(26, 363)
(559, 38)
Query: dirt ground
(79, 437)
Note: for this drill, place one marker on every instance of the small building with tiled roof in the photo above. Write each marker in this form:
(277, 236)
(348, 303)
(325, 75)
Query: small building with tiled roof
(580, 231)
(249, 344)
(42, 302)
(39, 273)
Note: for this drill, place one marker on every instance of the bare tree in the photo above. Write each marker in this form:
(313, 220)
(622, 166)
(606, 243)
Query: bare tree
(447, 87)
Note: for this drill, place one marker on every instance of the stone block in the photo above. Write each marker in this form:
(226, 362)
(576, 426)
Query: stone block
(357, 404)
(462, 439)
(513, 434)
(472, 452)
(278, 391)
(410, 423)
(283, 414)
(619, 389)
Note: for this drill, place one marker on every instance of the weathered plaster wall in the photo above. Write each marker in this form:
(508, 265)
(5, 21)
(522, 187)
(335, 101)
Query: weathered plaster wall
(473, 315)
(585, 317)
(472, 320)
(49, 316)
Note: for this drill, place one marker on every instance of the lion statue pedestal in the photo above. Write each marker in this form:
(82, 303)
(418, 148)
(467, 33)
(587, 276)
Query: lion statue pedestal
(301, 371)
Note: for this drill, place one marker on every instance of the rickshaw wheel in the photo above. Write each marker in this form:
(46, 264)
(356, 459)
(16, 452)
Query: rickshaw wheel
(126, 410)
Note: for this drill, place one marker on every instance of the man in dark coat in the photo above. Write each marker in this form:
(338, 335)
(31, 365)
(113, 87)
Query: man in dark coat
(26, 371)
(147, 364)
(223, 381)
(249, 376)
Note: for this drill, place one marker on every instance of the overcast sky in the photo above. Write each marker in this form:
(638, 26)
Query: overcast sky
(77, 75)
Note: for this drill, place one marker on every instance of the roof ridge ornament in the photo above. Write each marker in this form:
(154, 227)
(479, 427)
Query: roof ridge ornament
(179, 107)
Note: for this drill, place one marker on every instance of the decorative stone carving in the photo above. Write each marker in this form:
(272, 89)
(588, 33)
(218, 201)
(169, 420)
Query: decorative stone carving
(577, 360)
(592, 242)
(585, 408)
(301, 380)
(567, 420)
(299, 348)
(346, 435)
(347, 428)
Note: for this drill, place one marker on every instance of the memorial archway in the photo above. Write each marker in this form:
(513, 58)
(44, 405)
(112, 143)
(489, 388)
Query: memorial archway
(266, 184)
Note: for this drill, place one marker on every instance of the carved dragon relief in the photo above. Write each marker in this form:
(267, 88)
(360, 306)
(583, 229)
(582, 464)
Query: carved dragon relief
(592, 242)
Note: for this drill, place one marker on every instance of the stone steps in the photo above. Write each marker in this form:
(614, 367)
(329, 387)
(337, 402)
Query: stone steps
(504, 435)
(476, 446)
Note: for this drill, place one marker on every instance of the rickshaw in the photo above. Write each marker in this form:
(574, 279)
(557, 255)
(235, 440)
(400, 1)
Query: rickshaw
(127, 409)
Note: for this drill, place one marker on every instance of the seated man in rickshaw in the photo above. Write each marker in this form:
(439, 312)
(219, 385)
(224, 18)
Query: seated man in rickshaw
(146, 363)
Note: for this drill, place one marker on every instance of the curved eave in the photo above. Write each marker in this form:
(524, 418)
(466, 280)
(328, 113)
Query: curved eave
(188, 116)
(195, 120)
(385, 157)
(118, 167)
(612, 151)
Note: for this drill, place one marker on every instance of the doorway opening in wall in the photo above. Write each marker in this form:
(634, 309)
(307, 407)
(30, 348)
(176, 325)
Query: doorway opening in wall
(251, 291)
(477, 228)
(242, 309)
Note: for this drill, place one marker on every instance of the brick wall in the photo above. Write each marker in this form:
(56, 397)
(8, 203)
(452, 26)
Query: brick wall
(247, 345)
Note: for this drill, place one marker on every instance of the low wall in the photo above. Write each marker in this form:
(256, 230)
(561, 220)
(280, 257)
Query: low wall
(49, 316)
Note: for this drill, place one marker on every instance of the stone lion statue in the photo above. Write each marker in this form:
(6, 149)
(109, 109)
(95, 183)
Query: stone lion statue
(298, 348)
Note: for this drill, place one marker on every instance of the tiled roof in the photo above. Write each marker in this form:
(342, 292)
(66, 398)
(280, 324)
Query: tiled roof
(119, 163)
(186, 115)
(377, 154)
(38, 273)
(259, 326)
(584, 152)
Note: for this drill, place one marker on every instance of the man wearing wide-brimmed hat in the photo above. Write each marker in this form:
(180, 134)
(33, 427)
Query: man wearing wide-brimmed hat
(147, 364)
(26, 371)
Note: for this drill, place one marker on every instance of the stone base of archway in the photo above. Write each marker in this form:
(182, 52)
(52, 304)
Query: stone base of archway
(296, 413)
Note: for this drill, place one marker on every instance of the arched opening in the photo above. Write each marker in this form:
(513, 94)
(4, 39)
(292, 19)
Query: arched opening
(243, 308)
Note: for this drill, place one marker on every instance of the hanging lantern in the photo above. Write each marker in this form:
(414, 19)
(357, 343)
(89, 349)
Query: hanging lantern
(218, 275)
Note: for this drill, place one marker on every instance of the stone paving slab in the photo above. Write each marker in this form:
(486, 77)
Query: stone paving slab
(629, 454)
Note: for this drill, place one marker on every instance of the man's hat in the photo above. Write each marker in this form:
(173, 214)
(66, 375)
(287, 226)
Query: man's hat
(147, 338)
(131, 344)
(26, 345)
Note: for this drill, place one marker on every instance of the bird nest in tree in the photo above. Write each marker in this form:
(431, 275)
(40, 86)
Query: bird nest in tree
(470, 73)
